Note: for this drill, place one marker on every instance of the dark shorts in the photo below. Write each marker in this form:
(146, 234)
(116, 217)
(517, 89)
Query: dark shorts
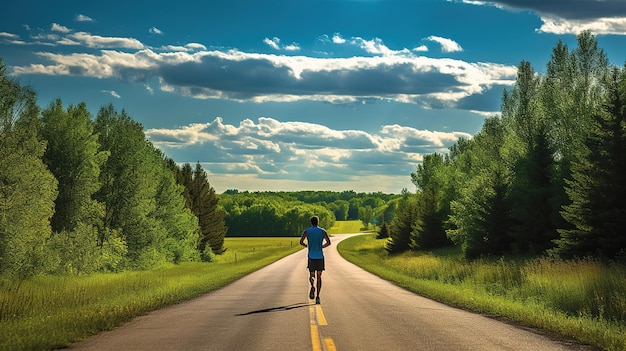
(316, 264)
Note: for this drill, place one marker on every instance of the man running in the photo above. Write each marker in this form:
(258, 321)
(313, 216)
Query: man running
(317, 239)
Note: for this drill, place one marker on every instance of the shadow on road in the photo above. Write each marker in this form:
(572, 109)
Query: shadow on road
(277, 309)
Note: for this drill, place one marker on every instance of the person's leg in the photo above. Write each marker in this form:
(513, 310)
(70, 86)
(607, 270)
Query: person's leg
(319, 282)
(311, 280)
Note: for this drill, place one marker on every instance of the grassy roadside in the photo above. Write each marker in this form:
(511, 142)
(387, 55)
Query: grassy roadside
(49, 312)
(578, 300)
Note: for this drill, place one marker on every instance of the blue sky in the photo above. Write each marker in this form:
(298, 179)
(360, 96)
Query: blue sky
(296, 94)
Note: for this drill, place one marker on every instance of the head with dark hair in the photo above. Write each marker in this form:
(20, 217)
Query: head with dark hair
(315, 220)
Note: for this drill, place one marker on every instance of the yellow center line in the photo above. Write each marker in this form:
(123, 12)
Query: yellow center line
(315, 338)
(321, 319)
(330, 345)
(317, 319)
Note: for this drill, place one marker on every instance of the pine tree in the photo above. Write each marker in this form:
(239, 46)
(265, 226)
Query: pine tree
(429, 232)
(533, 196)
(383, 232)
(176, 218)
(597, 191)
(402, 224)
(210, 216)
(480, 215)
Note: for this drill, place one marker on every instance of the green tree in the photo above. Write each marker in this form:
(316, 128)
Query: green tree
(179, 222)
(597, 191)
(185, 178)
(27, 187)
(383, 232)
(130, 180)
(429, 232)
(366, 215)
(210, 215)
(571, 93)
(74, 158)
(402, 224)
(530, 151)
(341, 209)
(480, 216)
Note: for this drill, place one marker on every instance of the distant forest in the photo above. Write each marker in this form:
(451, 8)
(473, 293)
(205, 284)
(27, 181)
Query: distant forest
(545, 177)
(288, 213)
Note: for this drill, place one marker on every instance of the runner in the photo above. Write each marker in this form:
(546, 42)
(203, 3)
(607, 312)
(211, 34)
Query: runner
(316, 240)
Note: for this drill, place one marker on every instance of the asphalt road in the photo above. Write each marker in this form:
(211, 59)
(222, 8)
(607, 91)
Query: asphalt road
(270, 310)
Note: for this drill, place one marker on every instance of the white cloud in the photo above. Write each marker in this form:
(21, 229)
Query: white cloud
(112, 93)
(83, 18)
(447, 45)
(195, 46)
(292, 47)
(96, 41)
(337, 39)
(561, 26)
(155, 30)
(421, 48)
(376, 47)
(599, 16)
(381, 73)
(296, 151)
(273, 43)
(59, 28)
(9, 35)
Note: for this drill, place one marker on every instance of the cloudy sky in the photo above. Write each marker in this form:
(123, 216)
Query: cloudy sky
(296, 95)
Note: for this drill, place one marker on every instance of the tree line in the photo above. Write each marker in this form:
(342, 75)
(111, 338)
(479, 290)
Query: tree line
(546, 176)
(82, 194)
(267, 213)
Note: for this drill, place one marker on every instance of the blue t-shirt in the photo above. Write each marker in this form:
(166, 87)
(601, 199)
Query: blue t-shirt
(315, 236)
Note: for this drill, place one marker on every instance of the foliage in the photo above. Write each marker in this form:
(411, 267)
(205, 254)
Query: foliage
(429, 231)
(144, 204)
(73, 157)
(546, 176)
(270, 214)
(81, 196)
(383, 232)
(480, 211)
(27, 188)
(597, 189)
(211, 217)
(180, 223)
(402, 224)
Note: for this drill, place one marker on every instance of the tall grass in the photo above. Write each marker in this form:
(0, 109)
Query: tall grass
(48, 312)
(583, 300)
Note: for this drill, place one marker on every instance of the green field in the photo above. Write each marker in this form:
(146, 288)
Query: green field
(347, 227)
(48, 312)
(582, 300)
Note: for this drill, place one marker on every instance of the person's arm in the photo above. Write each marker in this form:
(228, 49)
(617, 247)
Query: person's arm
(302, 238)
(327, 243)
